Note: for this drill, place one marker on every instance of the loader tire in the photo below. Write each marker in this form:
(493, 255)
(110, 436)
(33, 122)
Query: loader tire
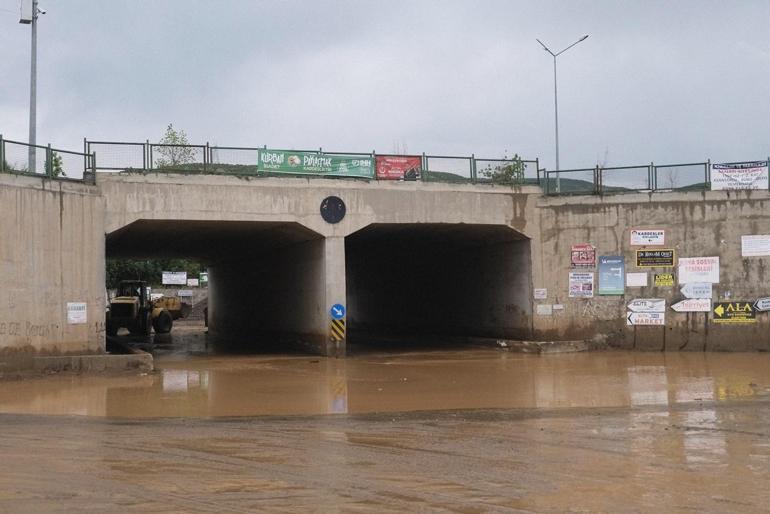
(162, 324)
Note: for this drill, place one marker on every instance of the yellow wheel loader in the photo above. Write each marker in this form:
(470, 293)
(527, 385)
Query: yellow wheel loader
(133, 309)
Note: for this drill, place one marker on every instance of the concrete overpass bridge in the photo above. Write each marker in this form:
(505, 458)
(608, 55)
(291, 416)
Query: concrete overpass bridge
(413, 259)
(407, 258)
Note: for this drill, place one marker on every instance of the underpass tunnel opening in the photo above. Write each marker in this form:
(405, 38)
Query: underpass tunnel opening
(265, 279)
(426, 285)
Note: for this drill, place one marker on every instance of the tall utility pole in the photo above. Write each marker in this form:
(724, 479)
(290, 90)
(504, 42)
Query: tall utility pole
(32, 20)
(556, 101)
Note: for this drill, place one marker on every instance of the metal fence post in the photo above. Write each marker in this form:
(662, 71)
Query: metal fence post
(2, 154)
(206, 156)
(473, 168)
(48, 161)
(598, 180)
(537, 170)
(425, 172)
(374, 164)
(707, 185)
(652, 178)
(547, 182)
(149, 156)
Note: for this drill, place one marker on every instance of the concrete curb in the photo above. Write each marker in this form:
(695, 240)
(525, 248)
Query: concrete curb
(140, 361)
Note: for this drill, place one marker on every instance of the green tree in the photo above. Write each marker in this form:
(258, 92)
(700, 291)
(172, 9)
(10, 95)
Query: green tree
(509, 173)
(177, 152)
(149, 270)
(55, 167)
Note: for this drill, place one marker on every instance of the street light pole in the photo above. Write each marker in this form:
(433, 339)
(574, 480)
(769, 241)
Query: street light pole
(556, 102)
(30, 18)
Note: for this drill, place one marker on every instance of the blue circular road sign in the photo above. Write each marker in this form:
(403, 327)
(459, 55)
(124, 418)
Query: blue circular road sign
(337, 311)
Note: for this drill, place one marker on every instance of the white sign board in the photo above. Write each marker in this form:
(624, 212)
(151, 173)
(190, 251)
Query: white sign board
(648, 237)
(744, 175)
(698, 290)
(541, 294)
(636, 279)
(762, 305)
(581, 284)
(693, 305)
(558, 307)
(184, 292)
(755, 246)
(192, 282)
(647, 305)
(698, 269)
(645, 318)
(77, 313)
(174, 278)
(544, 309)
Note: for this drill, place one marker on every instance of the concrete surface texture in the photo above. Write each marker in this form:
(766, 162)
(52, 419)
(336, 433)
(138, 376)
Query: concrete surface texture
(51, 257)
(696, 224)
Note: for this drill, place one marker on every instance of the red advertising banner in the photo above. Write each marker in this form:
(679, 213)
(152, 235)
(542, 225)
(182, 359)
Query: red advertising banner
(583, 256)
(398, 167)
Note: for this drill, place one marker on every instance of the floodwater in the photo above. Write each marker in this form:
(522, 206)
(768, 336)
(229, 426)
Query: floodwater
(199, 384)
(462, 430)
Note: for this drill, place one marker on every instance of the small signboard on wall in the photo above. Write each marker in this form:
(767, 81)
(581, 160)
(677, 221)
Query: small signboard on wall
(77, 313)
(583, 256)
(648, 237)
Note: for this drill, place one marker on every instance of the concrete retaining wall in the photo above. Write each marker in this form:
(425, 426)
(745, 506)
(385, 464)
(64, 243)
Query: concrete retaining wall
(51, 253)
(697, 224)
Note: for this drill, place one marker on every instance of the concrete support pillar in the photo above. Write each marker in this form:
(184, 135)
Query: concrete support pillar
(334, 290)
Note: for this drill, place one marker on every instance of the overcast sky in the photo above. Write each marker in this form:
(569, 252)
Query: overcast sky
(656, 81)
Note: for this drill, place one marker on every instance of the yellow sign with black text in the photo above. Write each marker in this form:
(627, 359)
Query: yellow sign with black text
(664, 280)
(734, 312)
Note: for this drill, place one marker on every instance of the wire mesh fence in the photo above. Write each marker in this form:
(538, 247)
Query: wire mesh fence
(685, 177)
(625, 178)
(232, 159)
(22, 158)
(448, 169)
(178, 157)
(119, 156)
(581, 181)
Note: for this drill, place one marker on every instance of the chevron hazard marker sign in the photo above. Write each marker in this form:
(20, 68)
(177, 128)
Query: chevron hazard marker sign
(337, 330)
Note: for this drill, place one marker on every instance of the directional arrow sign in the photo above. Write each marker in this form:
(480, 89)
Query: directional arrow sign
(646, 318)
(337, 311)
(647, 305)
(697, 290)
(695, 305)
(762, 305)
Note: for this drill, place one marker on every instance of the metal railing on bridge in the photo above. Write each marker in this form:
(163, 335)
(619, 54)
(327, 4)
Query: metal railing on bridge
(241, 160)
(651, 177)
(37, 160)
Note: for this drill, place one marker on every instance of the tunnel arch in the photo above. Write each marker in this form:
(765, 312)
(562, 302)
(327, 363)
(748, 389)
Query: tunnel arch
(424, 281)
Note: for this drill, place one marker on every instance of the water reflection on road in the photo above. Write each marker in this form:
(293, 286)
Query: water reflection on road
(209, 385)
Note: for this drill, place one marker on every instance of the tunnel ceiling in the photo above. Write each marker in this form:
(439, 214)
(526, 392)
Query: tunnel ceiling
(459, 234)
(205, 240)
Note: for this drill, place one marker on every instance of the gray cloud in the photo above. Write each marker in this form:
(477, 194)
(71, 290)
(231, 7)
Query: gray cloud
(662, 81)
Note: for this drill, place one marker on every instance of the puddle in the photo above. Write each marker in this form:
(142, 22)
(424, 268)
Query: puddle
(210, 386)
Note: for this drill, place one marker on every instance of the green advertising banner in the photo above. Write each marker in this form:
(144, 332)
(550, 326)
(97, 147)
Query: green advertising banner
(314, 163)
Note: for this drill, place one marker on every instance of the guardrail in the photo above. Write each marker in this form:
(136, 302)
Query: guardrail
(146, 157)
(37, 160)
(599, 180)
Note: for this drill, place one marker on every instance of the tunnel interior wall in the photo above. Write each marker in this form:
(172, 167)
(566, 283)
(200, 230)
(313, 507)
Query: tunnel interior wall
(51, 260)
(272, 299)
(443, 288)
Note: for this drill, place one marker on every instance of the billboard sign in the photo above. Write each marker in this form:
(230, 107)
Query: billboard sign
(663, 258)
(762, 305)
(755, 246)
(174, 278)
(583, 256)
(648, 237)
(646, 318)
(315, 163)
(647, 305)
(698, 290)
(743, 175)
(664, 280)
(698, 269)
(398, 167)
(581, 284)
(734, 312)
(611, 275)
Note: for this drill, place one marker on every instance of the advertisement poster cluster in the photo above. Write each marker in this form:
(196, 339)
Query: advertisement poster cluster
(383, 167)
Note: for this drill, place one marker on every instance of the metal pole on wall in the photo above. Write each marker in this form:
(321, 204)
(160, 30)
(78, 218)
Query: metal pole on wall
(556, 103)
(32, 168)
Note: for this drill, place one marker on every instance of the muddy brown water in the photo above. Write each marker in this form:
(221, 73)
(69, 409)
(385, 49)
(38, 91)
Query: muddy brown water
(187, 385)
(463, 430)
